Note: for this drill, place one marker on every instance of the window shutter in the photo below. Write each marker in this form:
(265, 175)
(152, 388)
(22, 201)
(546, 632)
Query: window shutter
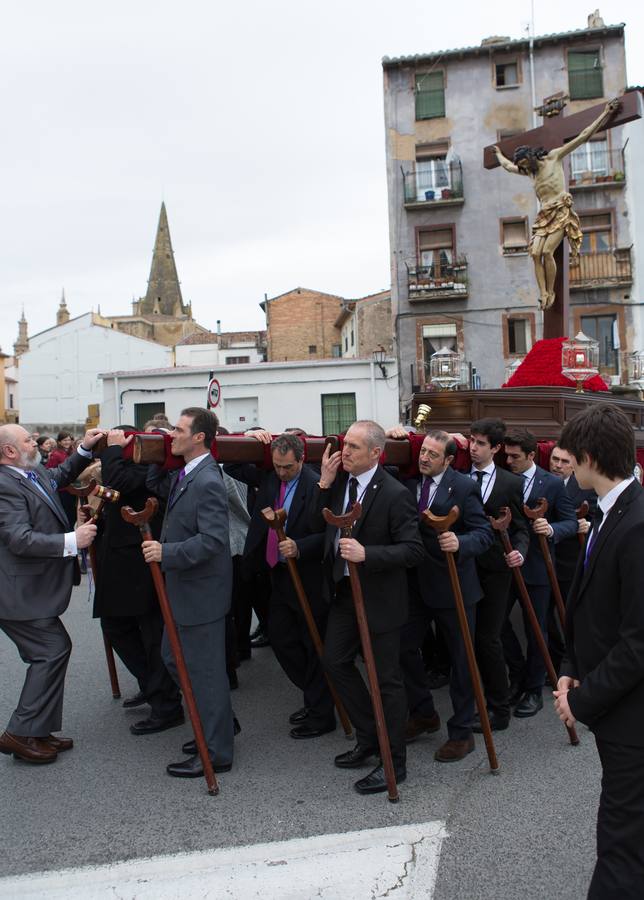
(430, 95)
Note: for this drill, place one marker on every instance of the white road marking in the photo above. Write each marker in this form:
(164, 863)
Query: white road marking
(400, 862)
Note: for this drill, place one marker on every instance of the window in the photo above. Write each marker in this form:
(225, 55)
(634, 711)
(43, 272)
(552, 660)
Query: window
(143, 412)
(313, 348)
(435, 337)
(10, 401)
(584, 74)
(336, 351)
(346, 343)
(338, 412)
(237, 360)
(514, 235)
(589, 158)
(353, 337)
(603, 329)
(519, 337)
(597, 230)
(436, 250)
(430, 95)
(506, 74)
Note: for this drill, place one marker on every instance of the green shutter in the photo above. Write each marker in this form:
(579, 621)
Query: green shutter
(430, 96)
(338, 412)
(584, 75)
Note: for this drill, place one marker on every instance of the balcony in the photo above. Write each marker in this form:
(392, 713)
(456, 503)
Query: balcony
(610, 268)
(440, 184)
(597, 169)
(447, 281)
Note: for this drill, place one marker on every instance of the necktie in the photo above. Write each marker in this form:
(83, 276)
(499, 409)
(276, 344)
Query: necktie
(272, 553)
(31, 475)
(527, 484)
(338, 562)
(175, 486)
(423, 500)
(479, 477)
(599, 515)
(353, 494)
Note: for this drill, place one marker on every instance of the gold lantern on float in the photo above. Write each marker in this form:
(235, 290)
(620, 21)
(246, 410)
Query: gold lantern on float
(580, 359)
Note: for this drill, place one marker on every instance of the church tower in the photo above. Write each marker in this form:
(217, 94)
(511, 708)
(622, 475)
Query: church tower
(163, 296)
(22, 344)
(62, 313)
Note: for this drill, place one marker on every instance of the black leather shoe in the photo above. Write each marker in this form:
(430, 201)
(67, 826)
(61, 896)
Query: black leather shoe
(192, 768)
(137, 700)
(375, 782)
(359, 756)
(529, 705)
(190, 747)
(152, 725)
(262, 640)
(301, 732)
(516, 692)
(497, 723)
(301, 715)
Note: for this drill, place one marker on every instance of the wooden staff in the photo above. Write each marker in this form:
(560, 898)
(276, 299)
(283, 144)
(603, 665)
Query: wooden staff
(142, 521)
(345, 523)
(276, 519)
(539, 512)
(582, 512)
(105, 495)
(442, 524)
(501, 525)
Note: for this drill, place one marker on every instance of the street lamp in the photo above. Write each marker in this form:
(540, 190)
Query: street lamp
(379, 357)
(580, 359)
(446, 368)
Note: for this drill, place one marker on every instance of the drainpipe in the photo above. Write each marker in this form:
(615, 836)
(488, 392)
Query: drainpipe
(117, 400)
(374, 405)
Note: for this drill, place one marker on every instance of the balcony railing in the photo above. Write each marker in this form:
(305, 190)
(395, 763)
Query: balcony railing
(597, 167)
(437, 281)
(610, 268)
(440, 184)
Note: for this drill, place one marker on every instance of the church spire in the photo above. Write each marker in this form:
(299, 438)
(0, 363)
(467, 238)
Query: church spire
(62, 313)
(22, 344)
(164, 291)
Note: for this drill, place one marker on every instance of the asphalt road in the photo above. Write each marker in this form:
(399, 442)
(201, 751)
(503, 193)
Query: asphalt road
(526, 833)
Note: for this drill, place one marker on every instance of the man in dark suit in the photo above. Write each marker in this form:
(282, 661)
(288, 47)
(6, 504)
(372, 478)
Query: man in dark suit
(290, 486)
(194, 553)
(499, 488)
(38, 567)
(430, 591)
(527, 676)
(602, 680)
(125, 598)
(385, 542)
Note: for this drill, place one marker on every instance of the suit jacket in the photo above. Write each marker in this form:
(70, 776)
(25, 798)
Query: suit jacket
(124, 584)
(431, 578)
(309, 543)
(196, 551)
(605, 627)
(36, 579)
(567, 551)
(388, 530)
(507, 491)
(561, 515)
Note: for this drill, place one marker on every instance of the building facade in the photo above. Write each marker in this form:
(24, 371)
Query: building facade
(221, 348)
(460, 270)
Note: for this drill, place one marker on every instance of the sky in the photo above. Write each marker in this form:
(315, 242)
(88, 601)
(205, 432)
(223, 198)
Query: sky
(259, 124)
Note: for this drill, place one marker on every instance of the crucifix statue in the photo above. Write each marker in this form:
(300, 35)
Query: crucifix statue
(539, 154)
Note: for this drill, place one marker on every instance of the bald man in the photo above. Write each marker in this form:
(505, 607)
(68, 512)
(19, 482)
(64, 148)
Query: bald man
(38, 567)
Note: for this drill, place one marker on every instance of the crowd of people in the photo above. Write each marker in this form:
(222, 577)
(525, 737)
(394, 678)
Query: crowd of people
(221, 561)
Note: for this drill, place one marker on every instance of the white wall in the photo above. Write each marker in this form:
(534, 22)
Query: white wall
(59, 375)
(634, 162)
(274, 395)
(211, 355)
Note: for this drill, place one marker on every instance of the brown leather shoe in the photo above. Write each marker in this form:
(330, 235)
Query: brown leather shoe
(29, 749)
(453, 751)
(417, 725)
(59, 744)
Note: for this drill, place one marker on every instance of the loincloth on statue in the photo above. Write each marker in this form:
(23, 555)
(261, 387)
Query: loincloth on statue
(557, 215)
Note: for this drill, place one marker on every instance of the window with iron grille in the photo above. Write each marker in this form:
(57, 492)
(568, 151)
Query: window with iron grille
(338, 412)
(430, 95)
(237, 360)
(597, 231)
(143, 412)
(602, 329)
(584, 74)
(590, 157)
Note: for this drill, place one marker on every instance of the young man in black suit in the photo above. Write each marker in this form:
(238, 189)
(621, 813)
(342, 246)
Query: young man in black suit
(499, 488)
(527, 676)
(602, 681)
(385, 542)
(439, 489)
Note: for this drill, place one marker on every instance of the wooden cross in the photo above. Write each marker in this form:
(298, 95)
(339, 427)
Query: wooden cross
(556, 131)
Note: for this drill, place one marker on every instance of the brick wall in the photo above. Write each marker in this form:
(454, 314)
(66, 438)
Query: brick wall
(301, 325)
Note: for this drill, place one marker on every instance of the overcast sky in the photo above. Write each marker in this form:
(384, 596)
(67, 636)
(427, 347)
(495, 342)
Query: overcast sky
(259, 123)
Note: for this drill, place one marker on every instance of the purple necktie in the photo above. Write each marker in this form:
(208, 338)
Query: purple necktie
(272, 552)
(424, 495)
(175, 487)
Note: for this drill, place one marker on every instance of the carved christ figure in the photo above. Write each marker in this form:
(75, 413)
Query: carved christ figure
(556, 216)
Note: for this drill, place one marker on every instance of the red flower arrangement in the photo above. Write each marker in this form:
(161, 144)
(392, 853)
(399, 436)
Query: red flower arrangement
(542, 368)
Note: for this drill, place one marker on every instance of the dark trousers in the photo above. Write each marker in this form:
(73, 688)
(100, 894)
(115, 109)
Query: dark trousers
(341, 648)
(254, 595)
(528, 672)
(137, 642)
(619, 872)
(294, 648)
(45, 646)
(434, 650)
(490, 617)
(419, 697)
(241, 610)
